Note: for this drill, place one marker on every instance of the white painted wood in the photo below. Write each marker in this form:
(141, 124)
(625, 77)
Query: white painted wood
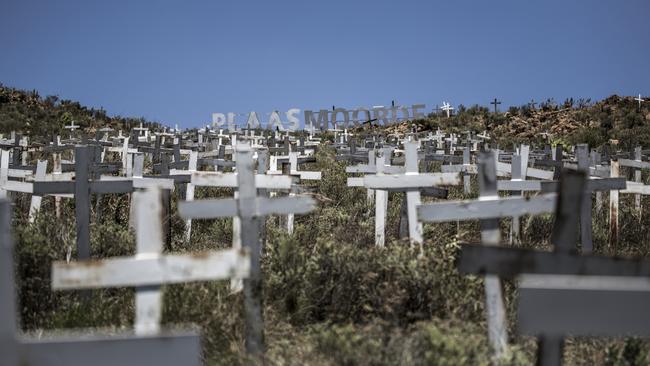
(411, 181)
(613, 209)
(381, 203)
(413, 196)
(189, 191)
(486, 209)
(219, 179)
(145, 270)
(531, 172)
(150, 268)
(35, 204)
(260, 206)
(355, 181)
(4, 173)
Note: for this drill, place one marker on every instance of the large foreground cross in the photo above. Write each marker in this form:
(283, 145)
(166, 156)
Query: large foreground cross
(94, 349)
(149, 269)
(488, 209)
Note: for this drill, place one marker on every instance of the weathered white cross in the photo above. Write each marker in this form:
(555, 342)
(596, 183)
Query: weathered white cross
(250, 209)
(410, 181)
(82, 187)
(489, 208)
(563, 293)
(17, 349)
(149, 268)
(447, 108)
(639, 99)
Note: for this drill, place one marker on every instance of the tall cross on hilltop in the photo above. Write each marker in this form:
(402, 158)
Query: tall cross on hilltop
(639, 99)
(447, 108)
(495, 102)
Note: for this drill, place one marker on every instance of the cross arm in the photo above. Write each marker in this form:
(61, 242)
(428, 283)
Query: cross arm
(17, 186)
(471, 169)
(487, 209)
(116, 186)
(638, 188)
(405, 181)
(177, 178)
(140, 182)
(531, 172)
(591, 185)
(214, 208)
(182, 348)
(510, 262)
(53, 187)
(519, 185)
(634, 163)
(218, 179)
(151, 270)
(372, 169)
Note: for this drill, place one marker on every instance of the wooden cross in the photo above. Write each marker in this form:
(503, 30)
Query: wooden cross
(639, 99)
(570, 282)
(71, 127)
(229, 180)
(82, 188)
(447, 108)
(150, 269)
(495, 102)
(410, 181)
(16, 349)
(141, 130)
(489, 208)
(532, 103)
(250, 209)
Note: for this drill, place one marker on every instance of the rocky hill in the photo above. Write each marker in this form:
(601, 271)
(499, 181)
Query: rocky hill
(615, 118)
(29, 113)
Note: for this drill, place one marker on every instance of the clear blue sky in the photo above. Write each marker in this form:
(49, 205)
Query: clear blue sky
(179, 61)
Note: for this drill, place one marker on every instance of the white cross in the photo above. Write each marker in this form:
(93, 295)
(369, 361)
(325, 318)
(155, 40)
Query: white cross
(179, 348)
(149, 268)
(229, 180)
(411, 181)
(489, 208)
(71, 127)
(639, 99)
(447, 108)
(250, 208)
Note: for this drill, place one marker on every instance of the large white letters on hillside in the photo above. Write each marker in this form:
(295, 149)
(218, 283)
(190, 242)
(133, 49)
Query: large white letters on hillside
(294, 122)
(253, 121)
(325, 119)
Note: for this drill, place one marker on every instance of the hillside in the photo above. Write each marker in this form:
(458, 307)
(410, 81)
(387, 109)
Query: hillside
(331, 296)
(614, 118)
(30, 114)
